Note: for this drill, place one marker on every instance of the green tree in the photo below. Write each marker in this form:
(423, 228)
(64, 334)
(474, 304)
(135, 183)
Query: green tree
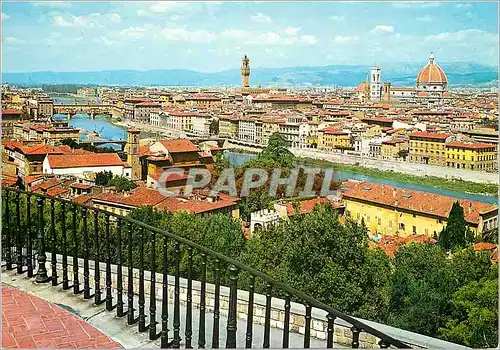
(456, 233)
(475, 319)
(277, 151)
(103, 178)
(121, 183)
(420, 289)
(402, 153)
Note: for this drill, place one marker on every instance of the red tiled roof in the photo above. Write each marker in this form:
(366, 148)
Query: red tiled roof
(196, 206)
(84, 160)
(417, 201)
(54, 192)
(484, 246)
(80, 186)
(179, 145)
(334, 131)
(429, 135)
(479, 145)
(137, 197)
(11, 111)
(306, 206)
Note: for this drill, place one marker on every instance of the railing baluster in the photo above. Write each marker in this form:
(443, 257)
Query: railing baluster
(249, 334)
(177, 291)
(109, 298)
(152, 293)
(29, 250)
(307, 332)
(6, 219)
(267, 317)
(86, 269)
(286, 324)
(142, 301)
(54, 242)
(64, 248)
(119, 273)
(330, 330)
(76, 282)
(201, 327)
(19, 248)
(130, 280)
(41, 275)
(233, 303)
(97, 261)
(383, 344)
(355, 337)
(164, 302)
(215, 330)
(189, 299)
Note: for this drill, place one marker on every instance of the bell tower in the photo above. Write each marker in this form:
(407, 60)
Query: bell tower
(132, 149)
(245, 72)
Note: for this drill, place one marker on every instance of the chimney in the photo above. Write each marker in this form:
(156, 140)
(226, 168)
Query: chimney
(394, 192)
(470, 207)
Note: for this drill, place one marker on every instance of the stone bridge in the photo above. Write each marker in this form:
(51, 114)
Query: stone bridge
(90, 109)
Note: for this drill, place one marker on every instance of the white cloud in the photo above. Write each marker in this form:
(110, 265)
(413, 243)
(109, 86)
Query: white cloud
(143, 13)
(261, 18)
(430, 4)
(106, 41)
(426, 18)
(51, 3)
(292, 31)
(401, 5)
(462, 5)
(133, 32)
(114, 17)
(336, 18)
(95, 19)
(236, 34)
(180, 34)
(381, 28)
(461, 36)
(469, 15)
(5, 16)
(269, 38)
(169, 6)
(14, 41)
(305, 40)
(340, 39)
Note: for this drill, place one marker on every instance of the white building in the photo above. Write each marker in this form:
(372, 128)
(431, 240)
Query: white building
(247, 130)
(375, 84)
(201, 124)
(262, 219)
(79, 164)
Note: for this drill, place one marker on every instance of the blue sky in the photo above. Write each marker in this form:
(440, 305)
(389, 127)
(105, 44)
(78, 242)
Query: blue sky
(213, 36)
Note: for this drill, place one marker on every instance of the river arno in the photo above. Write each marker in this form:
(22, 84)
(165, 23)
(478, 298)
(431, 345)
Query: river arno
(237, 159)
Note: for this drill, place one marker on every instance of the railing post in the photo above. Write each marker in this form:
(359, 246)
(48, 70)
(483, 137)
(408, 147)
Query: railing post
(307, 331)
(233, 304)
(109, 298)
(142, 302)
(286, 324)
(29, 248)
(8, 254)
(177, 292)
(164, 302)
(330, 330)
(267, 317)
(76, 281)
(152, 291)
(249, 333)
(201, 327)
(355, 337)
(54, 242)
(86, 269)
(64, 248)
(215, 330)
(119, 274)
(41, 275)
(19, 248)
(97, 261)
(383, 344)
(189, 299)
(130, 280)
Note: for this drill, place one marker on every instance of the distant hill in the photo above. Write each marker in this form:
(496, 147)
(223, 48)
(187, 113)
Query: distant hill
(399, 74)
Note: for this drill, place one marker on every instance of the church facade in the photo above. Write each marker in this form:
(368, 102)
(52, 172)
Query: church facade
(430, 87)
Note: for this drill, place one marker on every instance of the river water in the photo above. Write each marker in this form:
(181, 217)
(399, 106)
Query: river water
(109, 131)
(237, 159)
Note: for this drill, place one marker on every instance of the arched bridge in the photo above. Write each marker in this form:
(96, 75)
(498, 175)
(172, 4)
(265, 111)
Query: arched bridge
(90, 109)
(122, 143)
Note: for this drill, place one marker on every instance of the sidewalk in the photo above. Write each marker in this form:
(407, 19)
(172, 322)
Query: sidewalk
(31, 322)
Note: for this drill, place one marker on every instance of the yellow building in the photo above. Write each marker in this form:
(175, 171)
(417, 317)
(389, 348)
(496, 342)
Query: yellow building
(473, 156)
(331, 138)
(228, 126)
(55, 135)
(390, 148)
(428, 148)
(390, 210)
(270, 125)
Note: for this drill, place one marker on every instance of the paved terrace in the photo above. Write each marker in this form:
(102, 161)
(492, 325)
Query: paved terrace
(31, 322)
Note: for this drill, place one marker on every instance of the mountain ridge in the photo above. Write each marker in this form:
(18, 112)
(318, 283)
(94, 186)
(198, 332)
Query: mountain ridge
(399, 74)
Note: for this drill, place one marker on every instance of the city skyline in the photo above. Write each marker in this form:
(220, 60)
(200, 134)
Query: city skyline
(174, 35)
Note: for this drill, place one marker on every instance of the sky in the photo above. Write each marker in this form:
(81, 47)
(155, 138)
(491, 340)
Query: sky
(213, 36)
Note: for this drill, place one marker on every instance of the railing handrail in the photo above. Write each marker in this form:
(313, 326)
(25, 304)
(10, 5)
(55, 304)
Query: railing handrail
(289, 290)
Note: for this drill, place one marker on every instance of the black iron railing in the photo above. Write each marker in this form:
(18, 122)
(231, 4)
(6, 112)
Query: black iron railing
(78, 231)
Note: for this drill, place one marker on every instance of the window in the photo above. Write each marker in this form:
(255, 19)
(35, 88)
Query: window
(414, 229)
(379, 221)
(390, 223)
(426, 232)
(402, 226)
(414, 216)
(358, 216)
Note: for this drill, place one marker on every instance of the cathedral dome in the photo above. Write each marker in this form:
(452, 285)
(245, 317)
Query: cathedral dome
(432, 74)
